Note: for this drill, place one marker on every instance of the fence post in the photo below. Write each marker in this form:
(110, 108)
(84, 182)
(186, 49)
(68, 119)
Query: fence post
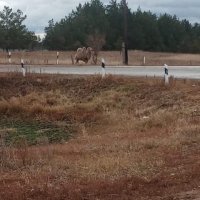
(144, 60)
(9, 57)
(72, 58)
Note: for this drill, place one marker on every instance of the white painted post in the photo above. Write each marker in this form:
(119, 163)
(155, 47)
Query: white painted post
(57, 62)
(166, 74)
(9, 57)
(23, 69)
(144, 60)
(103, 67)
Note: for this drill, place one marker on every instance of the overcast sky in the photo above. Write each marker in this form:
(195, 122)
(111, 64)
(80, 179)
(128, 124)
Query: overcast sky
(39, 12)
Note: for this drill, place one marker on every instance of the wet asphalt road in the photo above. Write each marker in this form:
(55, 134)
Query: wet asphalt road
(190, 72)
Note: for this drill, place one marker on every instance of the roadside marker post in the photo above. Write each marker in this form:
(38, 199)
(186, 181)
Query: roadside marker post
(23, 69)
(57, 62)
(9, 57)
(166, 76)
(103, 67)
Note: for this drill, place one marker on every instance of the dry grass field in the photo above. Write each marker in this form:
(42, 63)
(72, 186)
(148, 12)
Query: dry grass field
(77, 137)
(111, 58)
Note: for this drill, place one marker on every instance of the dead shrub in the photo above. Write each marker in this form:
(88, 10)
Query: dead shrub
(190, 135)
(36, 109)
(172, 81)
(161, 119)
(3, 153)
(21, 145)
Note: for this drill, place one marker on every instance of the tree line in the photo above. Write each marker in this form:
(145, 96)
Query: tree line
(146, 30)
(13, 33)
(102, 26)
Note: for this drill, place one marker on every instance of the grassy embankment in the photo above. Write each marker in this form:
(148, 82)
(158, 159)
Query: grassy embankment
(90, 138)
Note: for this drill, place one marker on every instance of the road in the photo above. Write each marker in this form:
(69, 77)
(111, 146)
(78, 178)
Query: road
(191, 72)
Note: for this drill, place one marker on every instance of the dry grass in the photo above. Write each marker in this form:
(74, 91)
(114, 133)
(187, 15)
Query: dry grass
(111, 58)
(135, 138)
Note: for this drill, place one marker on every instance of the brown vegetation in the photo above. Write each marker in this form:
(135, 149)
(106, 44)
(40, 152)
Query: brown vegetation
(131, 138)
(111, 58)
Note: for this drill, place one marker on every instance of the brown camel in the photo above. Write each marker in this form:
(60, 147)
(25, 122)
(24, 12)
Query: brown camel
(83, 54)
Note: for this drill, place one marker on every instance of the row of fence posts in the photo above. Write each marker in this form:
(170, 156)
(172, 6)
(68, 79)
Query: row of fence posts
(57, 58)
(10, 57)
(166, 72)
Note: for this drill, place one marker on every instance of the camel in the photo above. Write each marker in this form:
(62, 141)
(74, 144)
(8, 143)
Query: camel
(84, 54)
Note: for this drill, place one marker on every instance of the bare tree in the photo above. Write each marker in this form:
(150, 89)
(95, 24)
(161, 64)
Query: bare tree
(96, 41)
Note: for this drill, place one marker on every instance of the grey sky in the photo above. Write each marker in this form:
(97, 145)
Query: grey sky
(39, 12)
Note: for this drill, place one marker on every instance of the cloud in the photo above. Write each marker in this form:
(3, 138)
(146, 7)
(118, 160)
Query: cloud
(39, 12)
(3, 3)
